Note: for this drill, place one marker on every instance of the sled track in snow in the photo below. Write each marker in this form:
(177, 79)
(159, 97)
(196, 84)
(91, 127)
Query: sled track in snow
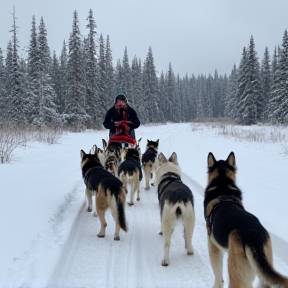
(89, 261)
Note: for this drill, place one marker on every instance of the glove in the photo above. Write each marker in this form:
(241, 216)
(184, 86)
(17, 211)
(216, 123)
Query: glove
(128, 123)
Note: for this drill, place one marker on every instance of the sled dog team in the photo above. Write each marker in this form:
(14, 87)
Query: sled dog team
(108, 172)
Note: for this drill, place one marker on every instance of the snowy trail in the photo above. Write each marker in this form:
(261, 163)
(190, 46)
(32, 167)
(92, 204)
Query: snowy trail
(98, 262)
(90, 261)
(51, 241)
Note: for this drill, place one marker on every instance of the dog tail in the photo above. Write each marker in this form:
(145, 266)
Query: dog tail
(121, 201)
(263, 267)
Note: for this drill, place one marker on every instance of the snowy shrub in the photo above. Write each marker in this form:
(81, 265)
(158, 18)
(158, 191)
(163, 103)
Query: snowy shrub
(49, 135)
(11, 136)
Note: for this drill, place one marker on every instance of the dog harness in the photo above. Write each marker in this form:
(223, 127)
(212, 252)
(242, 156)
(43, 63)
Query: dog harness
(209, 219)
(94, 176)
(152, 151)
(169, 178)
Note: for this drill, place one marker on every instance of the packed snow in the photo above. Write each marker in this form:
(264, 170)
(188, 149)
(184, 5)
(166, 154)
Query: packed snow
(48, 239)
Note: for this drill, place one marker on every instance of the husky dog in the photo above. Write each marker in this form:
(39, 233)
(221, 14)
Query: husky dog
(231, 228)
(113, 146)
(111, 161)
(130, 172)
(100, 153)
(148, 161)
(175, 201)
(110, 192)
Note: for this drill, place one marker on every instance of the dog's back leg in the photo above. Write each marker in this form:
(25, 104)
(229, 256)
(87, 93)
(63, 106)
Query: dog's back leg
(152, 175)
(101, 207)
(216, 259)
(137, 185)
(147, 171)
(132, 194)
(168, 221)
(240, 271)
(89, 199)
(189, 224)
(113, 206)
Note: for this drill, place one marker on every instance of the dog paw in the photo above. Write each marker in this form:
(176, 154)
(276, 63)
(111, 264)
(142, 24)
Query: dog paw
(116, 238)
(190, 253)
(130, 204)
(101, 236)
(164, 263)
(160, 233)
(89, 209)
(138, 199)
(153, 184)
(95, 214)
(147, 188)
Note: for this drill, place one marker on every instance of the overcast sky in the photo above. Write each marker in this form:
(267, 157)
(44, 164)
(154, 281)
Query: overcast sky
(196, 36)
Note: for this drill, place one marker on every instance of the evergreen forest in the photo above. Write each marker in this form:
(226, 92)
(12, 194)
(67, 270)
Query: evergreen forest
(75, 89)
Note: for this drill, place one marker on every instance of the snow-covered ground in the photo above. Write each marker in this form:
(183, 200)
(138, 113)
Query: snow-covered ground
(49, 240)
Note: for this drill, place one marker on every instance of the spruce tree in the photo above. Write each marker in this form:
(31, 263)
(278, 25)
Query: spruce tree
(136, 74)
(127, 78)
(240, 104)
(56, 80)
(15, 101)
(274, 101)
(3, 92)
(47, 110)
(110, 82)
(118, 76)
(283, 81)
(150, 88)
(192, 97)
(170, 94)
(255, 83)
(101, 81)
(33, 73)
(93, 101)
(63, 78)
(162, 97)
(230, 95)
(75, 114)
(266, 80)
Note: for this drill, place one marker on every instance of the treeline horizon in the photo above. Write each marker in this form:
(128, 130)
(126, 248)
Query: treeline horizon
(77, 87)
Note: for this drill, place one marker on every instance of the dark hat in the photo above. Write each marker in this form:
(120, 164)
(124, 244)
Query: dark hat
(121, 96)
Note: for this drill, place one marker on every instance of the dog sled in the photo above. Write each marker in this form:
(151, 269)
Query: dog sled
(122, 135)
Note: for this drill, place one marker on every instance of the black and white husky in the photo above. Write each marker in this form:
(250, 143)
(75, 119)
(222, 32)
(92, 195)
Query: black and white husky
(130, 172)
(175, 201)
(148, 160)
(109, 190)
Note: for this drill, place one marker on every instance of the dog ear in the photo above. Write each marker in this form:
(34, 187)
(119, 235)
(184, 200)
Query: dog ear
(82, 153)
(139, 151)
(173, 158)
(104, 143)
(162, 158)
(211, 160)
(92, 150)
(95, 150)
(157, 141)
(231, 159)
